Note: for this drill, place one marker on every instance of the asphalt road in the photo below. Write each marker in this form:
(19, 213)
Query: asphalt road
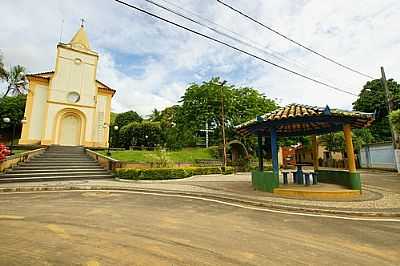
(103, 228)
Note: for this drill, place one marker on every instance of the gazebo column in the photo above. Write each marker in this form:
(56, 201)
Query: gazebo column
(260, 153)
(349, 148)
(315, 151)
(274, 151)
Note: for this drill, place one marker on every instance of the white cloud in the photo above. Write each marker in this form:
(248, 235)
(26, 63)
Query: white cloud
(362, 34)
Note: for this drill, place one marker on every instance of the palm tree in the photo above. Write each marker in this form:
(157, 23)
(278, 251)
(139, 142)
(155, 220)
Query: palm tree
(155, 115)
(3, 72)
(16, 79)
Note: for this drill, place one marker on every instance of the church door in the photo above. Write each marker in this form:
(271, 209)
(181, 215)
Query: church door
(70, 130)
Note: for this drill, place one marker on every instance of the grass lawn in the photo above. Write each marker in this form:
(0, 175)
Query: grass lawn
(187, 155)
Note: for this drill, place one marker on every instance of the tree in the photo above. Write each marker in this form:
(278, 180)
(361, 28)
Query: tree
(17, 82)
(201, 104)
(13, 108)
(155, 116)
(394, 117)
(145, 133)
(3, 72)
(125, 118)
(372, 99)
(334, 142)
(122, 120)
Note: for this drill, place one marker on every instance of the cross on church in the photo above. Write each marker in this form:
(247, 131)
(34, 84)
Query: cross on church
(82, 21)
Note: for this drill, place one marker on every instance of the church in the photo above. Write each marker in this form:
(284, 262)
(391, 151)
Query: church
(68, 106)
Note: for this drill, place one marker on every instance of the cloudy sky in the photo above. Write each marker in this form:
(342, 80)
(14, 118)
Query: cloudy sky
(150, 63)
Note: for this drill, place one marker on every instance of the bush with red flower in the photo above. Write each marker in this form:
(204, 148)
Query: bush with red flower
(4, 152)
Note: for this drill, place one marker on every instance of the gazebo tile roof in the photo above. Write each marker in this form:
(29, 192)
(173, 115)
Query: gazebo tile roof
(303, 118)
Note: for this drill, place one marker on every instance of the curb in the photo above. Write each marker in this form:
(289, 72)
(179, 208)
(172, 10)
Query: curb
(210, 196)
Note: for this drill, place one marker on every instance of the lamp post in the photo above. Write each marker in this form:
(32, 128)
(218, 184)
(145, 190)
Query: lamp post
(146, 137)
(221, 84)
(7, 120)
(109, 139)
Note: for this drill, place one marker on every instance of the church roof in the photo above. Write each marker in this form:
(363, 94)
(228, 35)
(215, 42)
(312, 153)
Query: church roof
(81, 38)
(49, 74)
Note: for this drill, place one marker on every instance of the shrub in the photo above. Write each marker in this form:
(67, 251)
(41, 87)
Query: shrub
(395, 119)
(215, 152)
(169, 173)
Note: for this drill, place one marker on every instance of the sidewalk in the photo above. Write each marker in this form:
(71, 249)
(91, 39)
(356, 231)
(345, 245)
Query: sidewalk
(378, 198)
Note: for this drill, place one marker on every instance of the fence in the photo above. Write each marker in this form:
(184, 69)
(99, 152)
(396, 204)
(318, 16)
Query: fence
(379, 156)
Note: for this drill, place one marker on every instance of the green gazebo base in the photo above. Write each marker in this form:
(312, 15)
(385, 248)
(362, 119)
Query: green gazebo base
(264, 181)
(267, 181)
(340, 177)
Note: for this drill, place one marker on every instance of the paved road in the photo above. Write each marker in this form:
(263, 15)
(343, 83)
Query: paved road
(384, 179)
(109, 228)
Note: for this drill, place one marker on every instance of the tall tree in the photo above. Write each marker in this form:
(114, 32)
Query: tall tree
(13, 108)
(125, 118)
(372, 99)
(155, 115)
(201, 104)
(121, 120)
(334, 142)
(16, 81)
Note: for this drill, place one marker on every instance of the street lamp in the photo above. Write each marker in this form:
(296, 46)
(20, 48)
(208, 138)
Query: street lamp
(109, 138)
(7, 120)
(221, 84)
(146, 137)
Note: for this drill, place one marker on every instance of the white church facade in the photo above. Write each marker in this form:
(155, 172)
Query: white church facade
(68, 106)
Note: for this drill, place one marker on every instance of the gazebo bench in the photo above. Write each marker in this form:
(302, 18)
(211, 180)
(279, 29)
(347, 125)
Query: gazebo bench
(305, 177)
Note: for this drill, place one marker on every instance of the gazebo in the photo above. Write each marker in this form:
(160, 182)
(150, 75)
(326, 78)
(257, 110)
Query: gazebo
(303, 120)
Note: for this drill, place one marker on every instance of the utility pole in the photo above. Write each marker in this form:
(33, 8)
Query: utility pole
(223, 121)
(395, 137)
(221, 84)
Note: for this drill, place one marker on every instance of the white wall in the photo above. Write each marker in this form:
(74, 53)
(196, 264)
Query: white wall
(72, 76)
(378, 156)
(36, 123)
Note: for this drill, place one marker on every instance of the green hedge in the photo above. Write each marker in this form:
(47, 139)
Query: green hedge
(169, 173)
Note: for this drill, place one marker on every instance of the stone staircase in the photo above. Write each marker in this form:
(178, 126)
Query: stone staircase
(56, 163)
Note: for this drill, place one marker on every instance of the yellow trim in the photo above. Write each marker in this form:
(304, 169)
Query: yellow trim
(33, 83)
(76, 50)
(312, 193)
(27, 114)
(71, 104)
(104, 91)
(349, 148)
(72, 60)
(60, 115)
(47, 142)
(29, 141)
(108, 120)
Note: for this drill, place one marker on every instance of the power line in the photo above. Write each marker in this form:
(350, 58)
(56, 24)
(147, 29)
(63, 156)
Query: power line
(210, 28)
(233, 47)
(257, 47)
(295, 42)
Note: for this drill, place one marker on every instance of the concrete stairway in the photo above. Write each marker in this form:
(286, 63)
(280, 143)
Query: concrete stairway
(56, 163)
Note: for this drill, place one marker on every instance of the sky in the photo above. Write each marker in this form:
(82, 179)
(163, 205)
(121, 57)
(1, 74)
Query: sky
(151, 63)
